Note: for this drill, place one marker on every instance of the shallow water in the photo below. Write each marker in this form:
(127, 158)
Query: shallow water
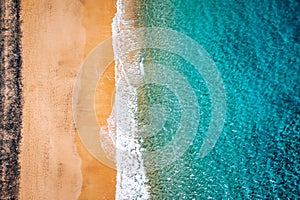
(255, 46)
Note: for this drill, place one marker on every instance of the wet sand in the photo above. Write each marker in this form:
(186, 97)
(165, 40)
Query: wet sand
(99, 181)
(57, 35)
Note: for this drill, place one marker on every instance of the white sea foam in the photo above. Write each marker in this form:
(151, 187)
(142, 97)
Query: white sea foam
(132, 182)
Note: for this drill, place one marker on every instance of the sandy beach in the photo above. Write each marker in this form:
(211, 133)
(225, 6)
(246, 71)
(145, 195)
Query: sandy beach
(57, 36)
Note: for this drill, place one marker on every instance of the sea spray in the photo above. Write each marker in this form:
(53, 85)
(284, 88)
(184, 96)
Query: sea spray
(131, 174)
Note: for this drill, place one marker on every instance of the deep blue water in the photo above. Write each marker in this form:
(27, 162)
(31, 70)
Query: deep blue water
(256, 48)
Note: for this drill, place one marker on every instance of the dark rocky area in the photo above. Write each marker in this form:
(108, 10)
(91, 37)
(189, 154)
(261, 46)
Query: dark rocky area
(10, 98)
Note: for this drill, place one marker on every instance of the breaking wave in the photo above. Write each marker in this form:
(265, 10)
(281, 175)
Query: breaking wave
(132, 182)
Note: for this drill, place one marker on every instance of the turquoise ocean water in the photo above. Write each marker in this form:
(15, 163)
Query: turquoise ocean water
(256, 48)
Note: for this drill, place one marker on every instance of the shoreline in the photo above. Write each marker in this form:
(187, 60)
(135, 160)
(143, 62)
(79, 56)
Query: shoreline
(132, 181)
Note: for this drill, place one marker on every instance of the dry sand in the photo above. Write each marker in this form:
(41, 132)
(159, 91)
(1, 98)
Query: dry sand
(57, 35)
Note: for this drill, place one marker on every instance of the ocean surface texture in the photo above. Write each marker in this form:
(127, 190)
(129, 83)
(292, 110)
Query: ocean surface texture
(255, 46)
